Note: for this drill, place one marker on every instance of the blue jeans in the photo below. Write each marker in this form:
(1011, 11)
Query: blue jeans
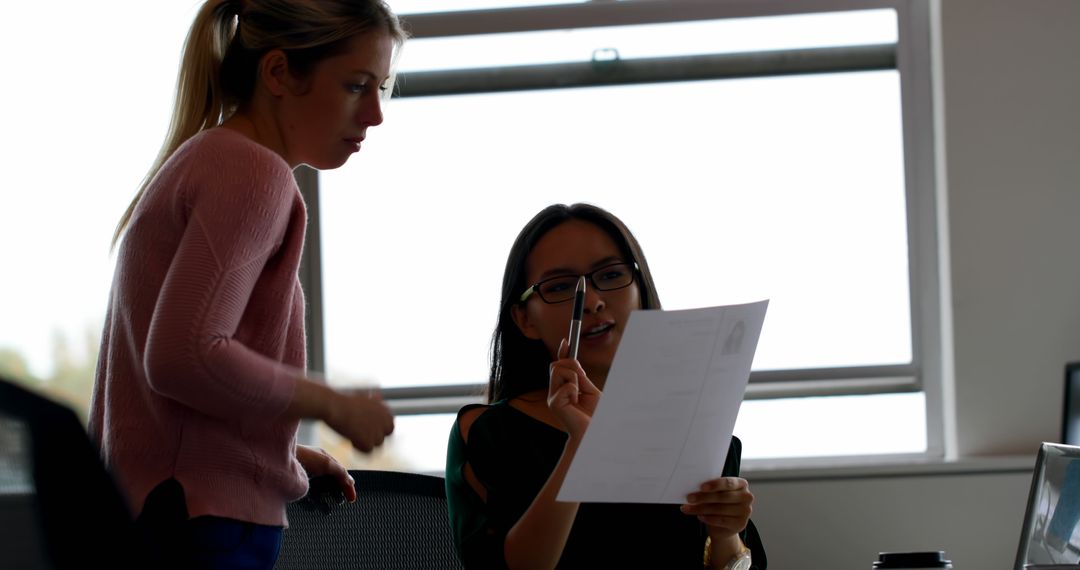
(173, 540)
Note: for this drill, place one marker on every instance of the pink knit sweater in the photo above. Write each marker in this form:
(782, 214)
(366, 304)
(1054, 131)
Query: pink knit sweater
(204, 336)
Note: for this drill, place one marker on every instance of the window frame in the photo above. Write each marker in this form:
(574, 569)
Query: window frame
(912, 56)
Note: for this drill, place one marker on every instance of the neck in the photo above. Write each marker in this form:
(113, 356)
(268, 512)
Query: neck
(258, 127)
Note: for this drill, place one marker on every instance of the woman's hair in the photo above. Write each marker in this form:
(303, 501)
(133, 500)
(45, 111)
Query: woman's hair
(520, 364)
(219, 67)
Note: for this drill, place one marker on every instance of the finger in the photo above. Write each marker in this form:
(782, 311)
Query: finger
(388, 421)
(372, 394)
(721, 497)
(729, 524)
(725, 484)
(564, 349)
(586, 385)
(348, 486)
(743, 508)
(561, 375)
(564, 396)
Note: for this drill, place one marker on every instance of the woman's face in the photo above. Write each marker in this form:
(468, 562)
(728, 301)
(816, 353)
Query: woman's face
(324, 117)
(577, 247)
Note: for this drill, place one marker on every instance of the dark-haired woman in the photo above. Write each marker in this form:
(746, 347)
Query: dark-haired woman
(507, 460)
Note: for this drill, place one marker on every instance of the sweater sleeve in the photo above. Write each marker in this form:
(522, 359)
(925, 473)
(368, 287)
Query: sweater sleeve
(238, 211)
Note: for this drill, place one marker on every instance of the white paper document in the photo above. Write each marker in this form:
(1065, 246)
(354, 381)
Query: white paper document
(664, 422)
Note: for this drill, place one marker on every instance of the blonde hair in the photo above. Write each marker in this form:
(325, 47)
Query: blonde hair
(218, 69)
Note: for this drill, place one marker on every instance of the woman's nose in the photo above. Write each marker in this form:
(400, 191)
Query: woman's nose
(594, 302)
(371, 115)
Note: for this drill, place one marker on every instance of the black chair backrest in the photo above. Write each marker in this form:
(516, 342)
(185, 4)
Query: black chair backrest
(399, 521)
(80, 517)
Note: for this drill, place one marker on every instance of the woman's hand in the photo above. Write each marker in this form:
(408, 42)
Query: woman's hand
(362, 417)
(317, 462)
(359, 416)
(723, 504)
(571, 395)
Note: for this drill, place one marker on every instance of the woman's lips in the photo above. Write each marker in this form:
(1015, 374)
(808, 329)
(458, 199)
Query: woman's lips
(598, 332)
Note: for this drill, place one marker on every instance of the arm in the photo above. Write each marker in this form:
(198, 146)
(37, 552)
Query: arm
(538, 538)
(724, 506)
(234, 218)
(235, 225)
(362, 417)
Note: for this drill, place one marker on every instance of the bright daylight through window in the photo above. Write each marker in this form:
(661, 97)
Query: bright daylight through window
(787, 177)
(789, 187)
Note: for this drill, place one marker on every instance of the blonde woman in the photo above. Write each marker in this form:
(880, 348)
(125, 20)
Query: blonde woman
(201, 380)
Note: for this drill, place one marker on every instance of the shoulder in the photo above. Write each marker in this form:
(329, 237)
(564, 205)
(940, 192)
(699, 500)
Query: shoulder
(225, 145)
(467, 416)
(485, 421)
(479, 418)
(230, 158)
(224, 171)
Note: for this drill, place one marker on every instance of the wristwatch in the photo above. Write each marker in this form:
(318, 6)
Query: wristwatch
(741, 561)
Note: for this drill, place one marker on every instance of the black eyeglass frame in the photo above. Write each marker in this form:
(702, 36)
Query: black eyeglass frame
(535, 287)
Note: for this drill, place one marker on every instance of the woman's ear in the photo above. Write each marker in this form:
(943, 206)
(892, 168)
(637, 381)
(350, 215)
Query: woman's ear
(521, 319)
(274, 73)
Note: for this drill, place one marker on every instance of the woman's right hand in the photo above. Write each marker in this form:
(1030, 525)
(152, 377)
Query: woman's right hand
(571, 395)
(361, 417)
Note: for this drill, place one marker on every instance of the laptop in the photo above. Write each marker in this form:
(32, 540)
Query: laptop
(1050, 538)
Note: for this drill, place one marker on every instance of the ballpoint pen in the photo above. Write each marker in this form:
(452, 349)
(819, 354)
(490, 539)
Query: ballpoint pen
(575, 321)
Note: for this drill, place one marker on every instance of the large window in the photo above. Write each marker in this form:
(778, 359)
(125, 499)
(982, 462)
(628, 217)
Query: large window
(785, 174)
(773, 149)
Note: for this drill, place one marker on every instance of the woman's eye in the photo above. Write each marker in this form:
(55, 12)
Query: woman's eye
(556, 287)
(610, 275)
(355, 88)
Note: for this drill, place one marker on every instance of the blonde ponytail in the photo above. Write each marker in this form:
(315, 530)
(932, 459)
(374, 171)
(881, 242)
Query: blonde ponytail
(199, 102)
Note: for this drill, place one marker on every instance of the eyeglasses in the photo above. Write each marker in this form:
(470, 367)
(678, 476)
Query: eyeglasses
(560, 289)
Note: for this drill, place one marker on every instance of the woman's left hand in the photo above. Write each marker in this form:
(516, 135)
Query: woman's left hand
(723, 504)
(317, 461)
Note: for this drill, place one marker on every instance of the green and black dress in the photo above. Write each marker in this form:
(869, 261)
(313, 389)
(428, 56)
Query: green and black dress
(512, 454)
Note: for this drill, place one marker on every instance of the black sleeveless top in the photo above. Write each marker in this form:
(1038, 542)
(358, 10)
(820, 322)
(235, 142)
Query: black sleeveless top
(512, 455)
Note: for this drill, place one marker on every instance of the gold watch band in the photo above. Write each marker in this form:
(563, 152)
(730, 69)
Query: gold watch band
(731, 564)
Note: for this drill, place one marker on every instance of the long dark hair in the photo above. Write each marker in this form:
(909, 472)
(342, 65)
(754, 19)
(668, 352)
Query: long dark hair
(519, 364)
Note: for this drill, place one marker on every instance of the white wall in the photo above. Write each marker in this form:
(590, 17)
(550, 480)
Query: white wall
(1012, 141)
(842, 523)
(1011, 136)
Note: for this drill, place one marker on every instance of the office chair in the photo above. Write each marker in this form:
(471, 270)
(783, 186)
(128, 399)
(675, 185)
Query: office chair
(399, 521)
(76, 513)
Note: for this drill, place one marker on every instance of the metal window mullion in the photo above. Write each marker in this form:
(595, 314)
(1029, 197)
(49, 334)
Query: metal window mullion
(765, 384)
(622, 13)
(311, 269)
(310, 274)
(647, 70)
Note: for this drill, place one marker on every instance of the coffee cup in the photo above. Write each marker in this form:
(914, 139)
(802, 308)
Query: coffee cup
(912, 560)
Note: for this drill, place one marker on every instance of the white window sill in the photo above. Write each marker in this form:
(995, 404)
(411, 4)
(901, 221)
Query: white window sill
(789, 469)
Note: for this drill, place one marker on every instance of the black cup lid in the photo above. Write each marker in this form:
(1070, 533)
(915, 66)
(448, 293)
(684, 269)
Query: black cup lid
(931, 559)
